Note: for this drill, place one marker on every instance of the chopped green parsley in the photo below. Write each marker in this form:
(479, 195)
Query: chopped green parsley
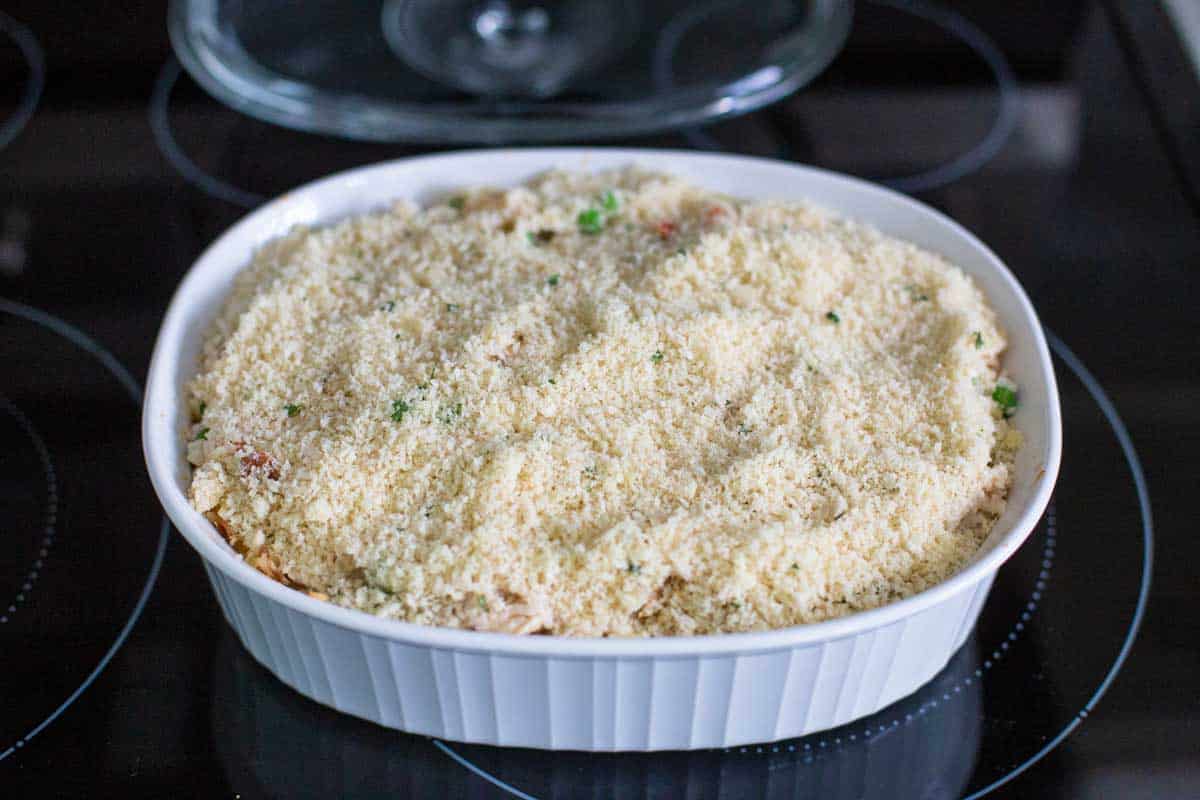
(978, 340)
(634, 569)
(833, 317)
(203, 405)
(657, 356)
(590, 221)
(399, 409)
(552, 280)
(457, 202)
(483, 603)
(292, 409)
(452, 307)
(202, 435)
(1006, 398)
(388, 306)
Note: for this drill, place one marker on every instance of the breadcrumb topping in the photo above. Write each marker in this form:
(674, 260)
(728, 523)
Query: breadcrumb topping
(603, 404)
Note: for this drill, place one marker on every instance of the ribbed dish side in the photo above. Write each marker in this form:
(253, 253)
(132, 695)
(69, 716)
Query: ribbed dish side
(667, 703)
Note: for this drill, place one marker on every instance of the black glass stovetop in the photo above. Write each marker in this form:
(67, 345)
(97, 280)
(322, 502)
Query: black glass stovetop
(118, 676)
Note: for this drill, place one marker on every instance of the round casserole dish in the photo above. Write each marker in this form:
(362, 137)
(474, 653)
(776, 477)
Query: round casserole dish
(598, 694)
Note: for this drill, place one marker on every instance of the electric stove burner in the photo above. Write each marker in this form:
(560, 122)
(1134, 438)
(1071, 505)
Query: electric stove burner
(20, 476)
(799, 121)
(1028, 676)
(84, 538)
(35, 63)
(1007, 106)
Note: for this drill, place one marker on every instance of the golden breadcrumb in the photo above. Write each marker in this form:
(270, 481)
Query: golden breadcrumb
(602, 404)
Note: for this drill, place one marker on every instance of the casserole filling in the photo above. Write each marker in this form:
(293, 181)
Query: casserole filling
(603, 404)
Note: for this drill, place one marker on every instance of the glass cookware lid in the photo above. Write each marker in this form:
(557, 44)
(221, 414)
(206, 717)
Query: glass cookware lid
(496, 71)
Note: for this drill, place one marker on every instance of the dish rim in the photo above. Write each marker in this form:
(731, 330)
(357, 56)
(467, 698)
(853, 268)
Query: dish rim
(204, 538)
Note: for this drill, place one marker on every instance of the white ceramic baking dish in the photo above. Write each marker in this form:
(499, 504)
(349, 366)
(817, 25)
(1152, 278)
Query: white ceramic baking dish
(597, 694)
